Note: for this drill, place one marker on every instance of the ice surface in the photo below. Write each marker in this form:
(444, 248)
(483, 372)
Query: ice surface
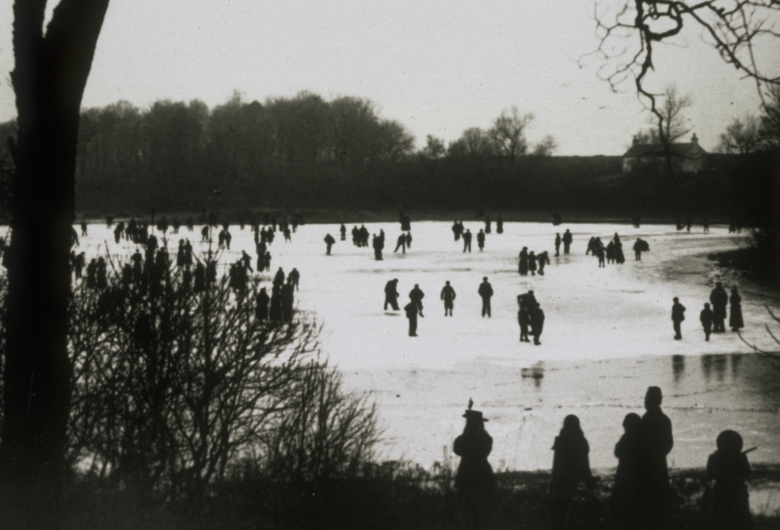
(607, 337)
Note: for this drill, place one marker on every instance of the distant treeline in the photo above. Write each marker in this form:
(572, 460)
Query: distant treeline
(305, 152)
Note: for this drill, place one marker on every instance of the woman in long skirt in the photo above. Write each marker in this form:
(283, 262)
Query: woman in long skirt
(735, 320)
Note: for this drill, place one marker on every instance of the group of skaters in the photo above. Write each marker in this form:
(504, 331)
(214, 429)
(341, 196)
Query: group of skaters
(282, 299)
(612, 253)
(712, 317)
(460, 232)
(532, 262)
(641, 497)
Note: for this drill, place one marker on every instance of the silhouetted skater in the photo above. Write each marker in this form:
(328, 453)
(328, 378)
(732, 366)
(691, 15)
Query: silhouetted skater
(537, 322)
(567, 240)
(706, 319)
(735, 318)
(276, 303)
(204, 233)
(657, 443)
(83, 228)
(329, 241)
(391, 294)
(678, 315)
(485, 292)
(343, 231)
(279, 277)
(416, 295)
(626, 493)
(499, 225)
(542, 259)
(488, 223)
(571, 466)
(295, 276)
(532, 263)
(467, 240)
(267, 260)
(481, 240)
(522, 318)
(729, 468)
(640, 245)
(719, 299)
(456, 230)
(523, 264)
(411, 310)
(408, 240)
(246, 259)
(200, 278)
(261, 310)
(474, 480)
(448, 295)
(378, 244)
(557, 244)
(400, 243)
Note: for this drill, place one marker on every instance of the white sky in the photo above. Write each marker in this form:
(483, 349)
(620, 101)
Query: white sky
(437, 66)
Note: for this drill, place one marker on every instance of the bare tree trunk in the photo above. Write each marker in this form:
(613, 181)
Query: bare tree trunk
(49, 79)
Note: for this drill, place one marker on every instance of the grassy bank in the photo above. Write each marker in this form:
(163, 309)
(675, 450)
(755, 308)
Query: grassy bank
(391, 495)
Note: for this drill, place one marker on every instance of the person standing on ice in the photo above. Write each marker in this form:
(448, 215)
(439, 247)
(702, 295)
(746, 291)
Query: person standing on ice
(706, 317)
(523, 266)
(678, 315)
(481, 240)
(456, 230)
(719, 299)
(474, 480)
(499, 225)
(343, 231)
(400, 243)
(411, 313)
(522, 318)
(448, 295)
(467, 240)
(735, 320)
(485, 292)
(532, 263)
(416, 295)
(537, 322)
(408, 240)
(639, 246)
(329, 241)
(567, 239)
(488, 223)
(557, 244)
(295, 276)
(391, 294)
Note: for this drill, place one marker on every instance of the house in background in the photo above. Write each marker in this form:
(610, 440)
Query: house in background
(686, 157)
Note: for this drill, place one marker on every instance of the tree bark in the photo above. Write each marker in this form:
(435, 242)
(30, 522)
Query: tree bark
(50, 74)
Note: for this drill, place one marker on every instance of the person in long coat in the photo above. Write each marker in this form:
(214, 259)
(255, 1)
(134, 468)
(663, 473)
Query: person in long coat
(735, 319)
(719, 299)
(276, 302)
(729, 468)
(705, 317)
(261, 311)
(657, 443)
(571, 465)
(391, 294)
(523, 265)
(448, 295)
(678, 315)
(416, 295)
(532, 263)
(474, 480)
(288, 300)
(536, 316)
(411, 310)
(625, 499)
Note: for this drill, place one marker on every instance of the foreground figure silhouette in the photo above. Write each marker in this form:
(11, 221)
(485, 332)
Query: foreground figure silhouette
(571, 465)
(657, 443)
(625, 500)
(729, 467)
(474, 480)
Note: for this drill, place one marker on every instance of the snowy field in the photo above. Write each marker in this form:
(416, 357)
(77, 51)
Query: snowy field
(607, 337)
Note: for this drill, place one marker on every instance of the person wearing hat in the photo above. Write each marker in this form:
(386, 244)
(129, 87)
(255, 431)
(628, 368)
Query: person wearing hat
(474, 480)
(571, 465)
(657, 443)
(485, 292)
(729, 468)
(705, 317)
(448, 295)
(719, 299)
(678, 315)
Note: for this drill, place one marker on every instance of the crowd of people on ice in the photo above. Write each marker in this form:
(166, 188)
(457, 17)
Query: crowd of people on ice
(641, 497)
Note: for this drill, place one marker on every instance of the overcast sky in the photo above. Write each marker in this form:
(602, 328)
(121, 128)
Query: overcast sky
(437, 66)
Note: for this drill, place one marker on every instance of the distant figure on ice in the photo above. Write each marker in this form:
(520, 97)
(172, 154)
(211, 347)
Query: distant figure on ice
(719, 299)
(295, 276)
(488, 223)
(400, 243)
(481, 240)
(485, 292)
(411, 313)
(474, 480)
(523, 265)
(467, 240)
(729, 468)
(678, 315)
(571, 466)
(204, 233)
(343, 231)
(288, 300)
(557, 219)
(658, 442)
(735, 320)
(522, 318)
(706, 318)
(625, 500)
(456, 230)
(499, 225)
(567, 239)
(391, 294)
(537, 322)
(267, 261)
(448, 295)
(557, 244)
(408, 240)
(532, 263)
(416, 295)
(329, 241)
(83, 229)
(542, 259)
(378, 244)
(640, 245)
(279, 277)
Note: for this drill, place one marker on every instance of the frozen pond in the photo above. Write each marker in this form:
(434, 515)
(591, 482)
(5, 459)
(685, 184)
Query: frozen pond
(607, 337)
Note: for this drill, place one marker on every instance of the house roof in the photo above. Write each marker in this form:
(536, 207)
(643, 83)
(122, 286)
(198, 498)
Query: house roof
(684, 150)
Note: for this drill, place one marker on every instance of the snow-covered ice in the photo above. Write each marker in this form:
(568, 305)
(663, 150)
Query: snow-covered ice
(607, 337)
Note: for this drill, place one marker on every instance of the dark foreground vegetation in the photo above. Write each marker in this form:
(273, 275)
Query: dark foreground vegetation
(390, 495)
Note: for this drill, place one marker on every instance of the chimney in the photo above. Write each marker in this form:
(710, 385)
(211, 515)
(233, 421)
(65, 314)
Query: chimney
(694, 140)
